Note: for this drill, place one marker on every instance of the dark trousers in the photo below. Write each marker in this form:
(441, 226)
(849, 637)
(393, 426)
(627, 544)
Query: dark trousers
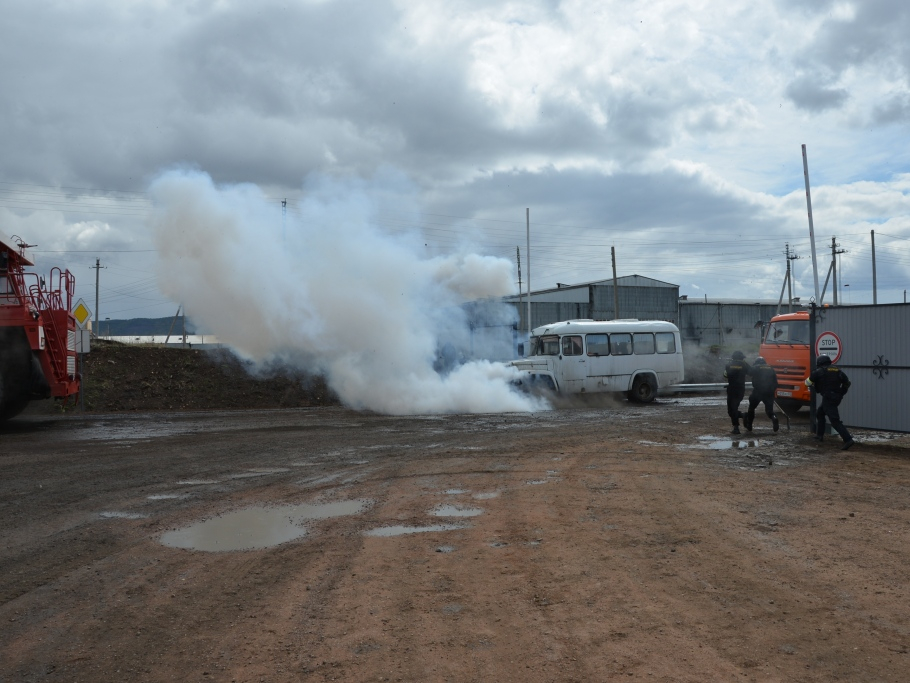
(754, 400)
(828, 409)
(734, 398)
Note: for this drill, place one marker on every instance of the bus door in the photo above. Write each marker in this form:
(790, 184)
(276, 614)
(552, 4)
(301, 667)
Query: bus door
(572, 365)
(599, 363)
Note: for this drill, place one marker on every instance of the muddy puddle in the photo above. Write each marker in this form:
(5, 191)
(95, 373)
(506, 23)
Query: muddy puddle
(257, 527)
(389, 531)
(113, 514)
(455, 511)
(715, 443)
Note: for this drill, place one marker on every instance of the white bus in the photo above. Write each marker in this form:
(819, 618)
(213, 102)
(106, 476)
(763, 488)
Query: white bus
(637, 357)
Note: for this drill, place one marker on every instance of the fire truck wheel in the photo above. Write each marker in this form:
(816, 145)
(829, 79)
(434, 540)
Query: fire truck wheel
(15, 371)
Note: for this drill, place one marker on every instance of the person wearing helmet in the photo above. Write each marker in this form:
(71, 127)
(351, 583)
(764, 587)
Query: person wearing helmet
(735, 373)
(764, 388)
(831, 384)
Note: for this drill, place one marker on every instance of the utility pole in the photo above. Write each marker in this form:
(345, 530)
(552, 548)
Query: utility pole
(520, 296)
(284, 213)
(790, 257)
(834, 253)
(811, 224)
(97, 268)
(615, 285)
(874, 282)
(528, 224)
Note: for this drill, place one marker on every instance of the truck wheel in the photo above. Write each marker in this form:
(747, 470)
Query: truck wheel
(643, 389)
(15, 371)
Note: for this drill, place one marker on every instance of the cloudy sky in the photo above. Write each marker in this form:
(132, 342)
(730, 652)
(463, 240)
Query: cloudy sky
(668, 129)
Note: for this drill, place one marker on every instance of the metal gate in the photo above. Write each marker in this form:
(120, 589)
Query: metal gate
(873, 343)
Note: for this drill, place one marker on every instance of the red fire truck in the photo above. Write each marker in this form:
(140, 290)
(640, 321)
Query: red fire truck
(37, 331)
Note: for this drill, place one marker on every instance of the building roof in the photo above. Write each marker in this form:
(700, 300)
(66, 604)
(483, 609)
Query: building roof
(624, 281)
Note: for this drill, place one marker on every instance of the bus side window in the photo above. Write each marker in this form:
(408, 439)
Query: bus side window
(598, 344)
(666, 342)
(571, 345)
(621, 344)
(643, 344)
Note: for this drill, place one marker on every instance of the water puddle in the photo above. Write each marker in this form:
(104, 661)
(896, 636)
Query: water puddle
(197, 482)
(168, 496)
(486, 496)
(718, 444)
(445, 549)
(455, 511)
(537, 482)
(454, 492)
(122, 515)
(257, 527)
(387, 531)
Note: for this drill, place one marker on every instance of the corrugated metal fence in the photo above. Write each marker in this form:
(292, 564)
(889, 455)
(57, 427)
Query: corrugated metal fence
(875, 354)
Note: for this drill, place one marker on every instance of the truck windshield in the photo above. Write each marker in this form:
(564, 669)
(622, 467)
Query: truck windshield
(545, 346)
(788, 332)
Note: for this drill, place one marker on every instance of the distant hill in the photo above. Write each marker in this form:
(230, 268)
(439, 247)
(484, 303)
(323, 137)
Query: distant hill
(137, 327)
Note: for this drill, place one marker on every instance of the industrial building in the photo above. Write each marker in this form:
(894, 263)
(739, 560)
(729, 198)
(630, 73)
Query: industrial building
(710, 328)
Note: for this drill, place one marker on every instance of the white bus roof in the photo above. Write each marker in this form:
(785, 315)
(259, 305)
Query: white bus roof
(607, 326)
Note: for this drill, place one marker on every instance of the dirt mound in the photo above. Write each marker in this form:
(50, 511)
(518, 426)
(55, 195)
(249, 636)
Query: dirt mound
(121, 377)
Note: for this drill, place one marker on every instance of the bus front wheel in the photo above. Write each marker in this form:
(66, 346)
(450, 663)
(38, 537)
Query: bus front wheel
(643, 389)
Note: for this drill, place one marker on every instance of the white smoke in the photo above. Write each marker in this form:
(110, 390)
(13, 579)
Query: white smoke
(327, 290)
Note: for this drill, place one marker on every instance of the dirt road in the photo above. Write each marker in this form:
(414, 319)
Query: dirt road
(588, 544)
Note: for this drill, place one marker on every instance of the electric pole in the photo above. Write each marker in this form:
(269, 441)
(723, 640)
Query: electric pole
(790, 257)
(520, 297)
(615, 285)
(834, 253)
(811, 224)
(874, 281)
(284, 213)
(97, 268)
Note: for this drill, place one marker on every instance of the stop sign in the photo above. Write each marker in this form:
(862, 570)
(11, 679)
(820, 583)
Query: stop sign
(829, 344)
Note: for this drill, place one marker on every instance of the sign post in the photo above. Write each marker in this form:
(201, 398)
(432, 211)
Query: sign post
(82, 314)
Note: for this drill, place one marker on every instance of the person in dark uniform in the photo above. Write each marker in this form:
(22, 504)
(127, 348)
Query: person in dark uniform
(764, 388)
(735, 374)
(832, 384)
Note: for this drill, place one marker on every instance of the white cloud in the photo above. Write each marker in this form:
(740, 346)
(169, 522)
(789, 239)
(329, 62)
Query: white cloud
(667, 128)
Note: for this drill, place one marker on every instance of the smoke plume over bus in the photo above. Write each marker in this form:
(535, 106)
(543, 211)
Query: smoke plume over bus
(326, 289)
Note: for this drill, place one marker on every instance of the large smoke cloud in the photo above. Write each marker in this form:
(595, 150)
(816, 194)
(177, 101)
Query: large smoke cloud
(326, 289)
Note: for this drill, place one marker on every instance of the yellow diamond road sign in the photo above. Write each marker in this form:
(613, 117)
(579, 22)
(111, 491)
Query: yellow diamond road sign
(81, 313)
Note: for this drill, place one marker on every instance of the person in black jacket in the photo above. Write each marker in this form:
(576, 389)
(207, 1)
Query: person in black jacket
(735, 374)
(832, 384)
(764, 388)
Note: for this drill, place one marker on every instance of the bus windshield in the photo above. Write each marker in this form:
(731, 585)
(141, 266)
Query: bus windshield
(788, 332)
(545, 346)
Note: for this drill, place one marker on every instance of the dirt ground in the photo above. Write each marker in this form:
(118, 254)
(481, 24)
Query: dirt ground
(593, 543)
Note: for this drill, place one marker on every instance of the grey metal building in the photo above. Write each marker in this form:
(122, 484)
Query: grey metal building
(638, 296)
(727, 324)
(711, 329)
(875, 354)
